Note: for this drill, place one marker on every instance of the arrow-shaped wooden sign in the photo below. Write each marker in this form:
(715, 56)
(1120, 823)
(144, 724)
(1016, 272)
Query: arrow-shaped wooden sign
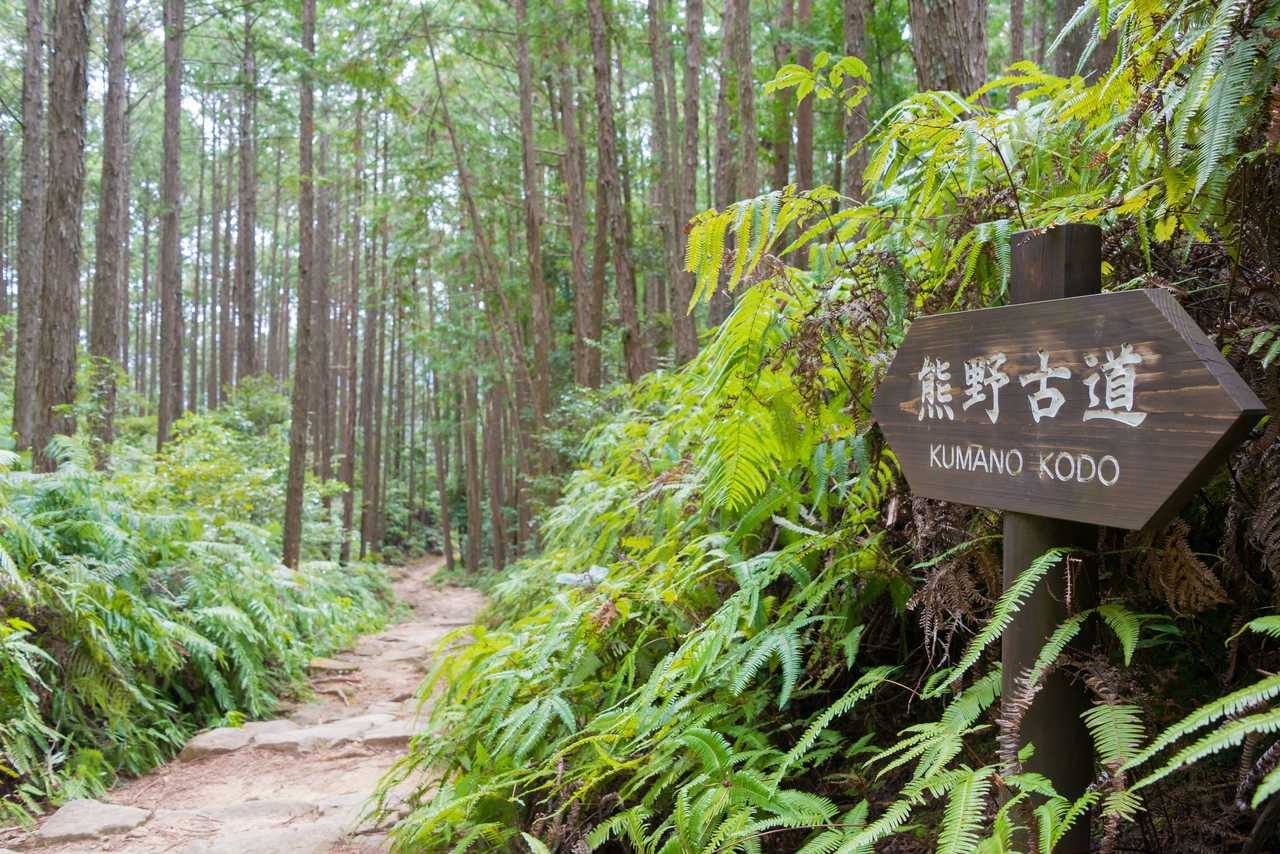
(1108, 409)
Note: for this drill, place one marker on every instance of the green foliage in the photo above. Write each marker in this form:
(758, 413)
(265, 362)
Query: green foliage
(139, 609)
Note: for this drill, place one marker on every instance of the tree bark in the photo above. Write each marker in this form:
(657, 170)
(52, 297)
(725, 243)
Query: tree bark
(1017, 30)
(30, 227)
(949, 44)
(804, 110)
(856, 121)
(170, 355)
(247, 216)
(273, 311)
(539, 296)
(60, 295)
(683, 335)
(103, 344)
(321, 407)
(634, 352)
(781, 110)
(306, 218)
(494, 404)
(586, 313)
(471, 457)
(749, 164)
(682, 287)
(726, 190)
(197, 301)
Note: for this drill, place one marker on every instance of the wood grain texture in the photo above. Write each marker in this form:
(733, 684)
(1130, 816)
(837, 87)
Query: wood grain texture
(1196, 408)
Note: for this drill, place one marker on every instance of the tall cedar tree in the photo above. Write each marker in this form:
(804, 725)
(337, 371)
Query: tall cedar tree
(949, 44)
(60, 294)
(30, 226)
(636, 357)
(247, 217)
(306, 222)
(170, 342)
(103, 344)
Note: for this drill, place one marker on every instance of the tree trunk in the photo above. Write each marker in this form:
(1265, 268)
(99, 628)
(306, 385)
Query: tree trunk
(539, 296)
(306, 219)
(197, 301)
(471, 457)
(949, 44)
(247, 216)
(213, 333)
(781, 110)
(856, 121)
(320, 377)
(140, 352)
(30, 227)
(226, 323)
(726, 190)
(348, 473)
(682, 287)
(749, 165)
(1017, 30)
(170, 355)
(683, 334)
(103, 345)
(494, 400)
(586, 352)
(635, 355)
(804, 110)
(60, 296)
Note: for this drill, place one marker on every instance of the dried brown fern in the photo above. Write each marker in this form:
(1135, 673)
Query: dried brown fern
(1173, 572)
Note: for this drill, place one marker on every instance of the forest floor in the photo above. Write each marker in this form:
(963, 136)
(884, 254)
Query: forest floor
(295, 785)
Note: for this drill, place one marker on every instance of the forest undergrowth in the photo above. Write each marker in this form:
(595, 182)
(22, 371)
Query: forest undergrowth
(146, 603)
(745, 634)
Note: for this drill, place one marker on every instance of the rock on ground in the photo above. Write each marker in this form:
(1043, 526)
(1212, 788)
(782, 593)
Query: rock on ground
(86, 819)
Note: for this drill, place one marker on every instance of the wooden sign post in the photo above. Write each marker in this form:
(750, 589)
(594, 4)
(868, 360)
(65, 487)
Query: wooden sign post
(1069, 409)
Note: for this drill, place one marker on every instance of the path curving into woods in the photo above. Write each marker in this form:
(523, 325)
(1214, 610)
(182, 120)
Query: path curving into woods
(294, 785)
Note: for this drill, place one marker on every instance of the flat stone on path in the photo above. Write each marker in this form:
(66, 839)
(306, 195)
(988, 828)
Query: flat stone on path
(87, 819)
(221, 740)
(307, 739)
(391, 734)
(330, 665)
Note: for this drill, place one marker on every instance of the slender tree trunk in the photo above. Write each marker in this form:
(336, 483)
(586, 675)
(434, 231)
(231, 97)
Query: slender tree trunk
(1017, 30)
(103, 345)
(586, 352)
(247, 216)
(30, 226)
(60, 296)
(368, 392)
(140, 352)
(213, 336)
(273, 323)
(635, 355)
(726, 190)
(949, 44)
(749, 164)
(781, 110)
(682, 287)
(322, 408)
(170, 355)
(856, 121)
(306, 210)
(539, 295)
(493, 446)
(348, 473)
(471, 456)
(197, 297)
(439, 439)
(126, 232)
(226, 322)
(684, 335)
(804, 110)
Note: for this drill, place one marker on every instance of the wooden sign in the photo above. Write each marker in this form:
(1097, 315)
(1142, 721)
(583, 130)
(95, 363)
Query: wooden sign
(1108, 409)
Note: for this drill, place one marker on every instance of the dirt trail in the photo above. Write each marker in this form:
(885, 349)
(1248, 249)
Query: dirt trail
(295, 785)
